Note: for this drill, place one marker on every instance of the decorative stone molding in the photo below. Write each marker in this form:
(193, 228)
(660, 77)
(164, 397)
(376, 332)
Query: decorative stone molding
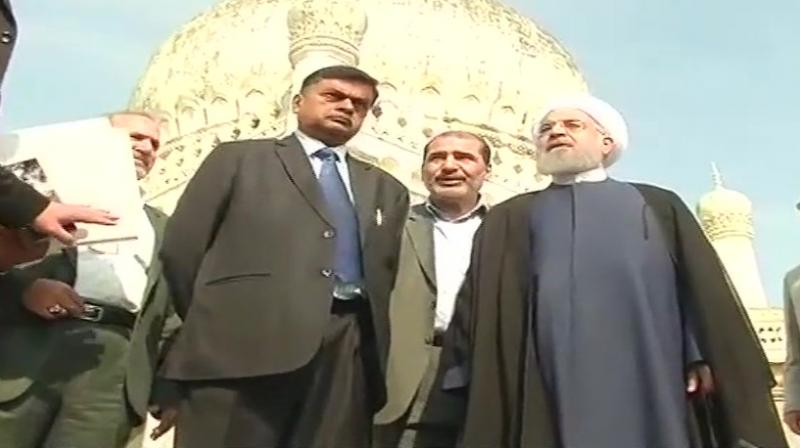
(727, 224)
(334, 27)
(769, 327)
(238, 65)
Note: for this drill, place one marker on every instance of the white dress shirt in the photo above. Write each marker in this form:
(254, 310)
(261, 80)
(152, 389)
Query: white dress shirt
(116, 273)
(452, 243)
(311, 145)
(598, 174)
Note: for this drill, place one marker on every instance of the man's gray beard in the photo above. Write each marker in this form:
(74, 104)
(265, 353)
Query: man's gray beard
(567, 161)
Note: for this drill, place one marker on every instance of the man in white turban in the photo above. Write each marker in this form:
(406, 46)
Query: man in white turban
(578, 115)
(595, 313)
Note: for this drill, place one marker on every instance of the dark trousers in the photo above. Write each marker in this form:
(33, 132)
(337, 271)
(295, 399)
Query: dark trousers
(323, 404)
(78, 398)
(431, 421)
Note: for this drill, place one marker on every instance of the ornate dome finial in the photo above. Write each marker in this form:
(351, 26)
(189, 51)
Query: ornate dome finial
(724, 212)
(716, 176)
(334, 28)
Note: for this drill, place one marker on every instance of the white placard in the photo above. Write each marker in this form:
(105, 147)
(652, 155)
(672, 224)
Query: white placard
(82, 162)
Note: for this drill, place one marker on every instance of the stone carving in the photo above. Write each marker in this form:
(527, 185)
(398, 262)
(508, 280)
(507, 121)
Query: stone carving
(723, 224)
(336, 27)
(230, 74)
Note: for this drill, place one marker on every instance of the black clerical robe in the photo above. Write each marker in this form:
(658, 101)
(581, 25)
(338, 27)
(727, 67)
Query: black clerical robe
(486, 353)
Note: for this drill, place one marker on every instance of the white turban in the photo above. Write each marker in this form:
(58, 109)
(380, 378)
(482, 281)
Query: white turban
(606, 116)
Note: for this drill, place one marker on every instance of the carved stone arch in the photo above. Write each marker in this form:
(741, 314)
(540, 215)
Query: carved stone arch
(190, 116)
(431, 101)
(167, 124)
(254, 103)
(221, 110)
(469, 110)
(504, 117)
(387, 90)
(387, 112)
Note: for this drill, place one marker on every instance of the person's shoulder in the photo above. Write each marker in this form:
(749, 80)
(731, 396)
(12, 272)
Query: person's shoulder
(511, 205)
(653, 189)
(655, 193)
(792, 278)
(237, 151)
(419, 209)
(384, 176)
(240, 147)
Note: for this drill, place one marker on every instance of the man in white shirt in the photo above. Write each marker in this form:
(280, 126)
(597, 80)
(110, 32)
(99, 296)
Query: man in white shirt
(434, 258)
(79, 353)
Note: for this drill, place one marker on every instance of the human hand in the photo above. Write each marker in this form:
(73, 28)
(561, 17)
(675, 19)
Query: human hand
(58, 220)
(52, 300)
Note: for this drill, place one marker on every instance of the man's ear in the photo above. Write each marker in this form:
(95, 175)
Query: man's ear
(296, 102)
(609, 145)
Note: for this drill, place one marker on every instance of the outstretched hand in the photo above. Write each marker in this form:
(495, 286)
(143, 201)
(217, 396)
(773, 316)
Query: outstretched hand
(58, 220)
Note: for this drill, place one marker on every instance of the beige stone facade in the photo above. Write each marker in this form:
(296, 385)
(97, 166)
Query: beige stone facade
(230, 73)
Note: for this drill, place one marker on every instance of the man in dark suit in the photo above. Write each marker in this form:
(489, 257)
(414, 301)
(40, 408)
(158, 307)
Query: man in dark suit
(434, 256)
(80, 344)
(281, 255)
(20, 204)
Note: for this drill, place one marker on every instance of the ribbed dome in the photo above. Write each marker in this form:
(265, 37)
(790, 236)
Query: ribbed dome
(724, 212)
(469, 64)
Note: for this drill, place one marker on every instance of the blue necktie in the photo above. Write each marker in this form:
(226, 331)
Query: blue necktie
(347, 252)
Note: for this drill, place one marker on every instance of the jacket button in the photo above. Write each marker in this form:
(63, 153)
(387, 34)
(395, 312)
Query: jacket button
(328, 234)
(326, 273)
(6, 37)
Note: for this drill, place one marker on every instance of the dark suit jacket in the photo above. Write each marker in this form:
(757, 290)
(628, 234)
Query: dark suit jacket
(248, 256)
(791, 309)
(19, 203)
(25, 342)
(411, 315)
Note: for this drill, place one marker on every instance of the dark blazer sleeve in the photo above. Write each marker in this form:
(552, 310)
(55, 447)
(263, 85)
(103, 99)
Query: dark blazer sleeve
(193, 226)
(791, 369)
(15, 282)
(12, 285)
(402, 206)
(20, 204)
(166, 393)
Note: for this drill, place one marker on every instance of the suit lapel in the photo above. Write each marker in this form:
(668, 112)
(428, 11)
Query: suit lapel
(299, 170)
(158, 221)
(420, 232)
(364, 184)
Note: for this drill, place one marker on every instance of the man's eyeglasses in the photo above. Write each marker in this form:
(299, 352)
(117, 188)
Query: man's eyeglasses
(570, 126)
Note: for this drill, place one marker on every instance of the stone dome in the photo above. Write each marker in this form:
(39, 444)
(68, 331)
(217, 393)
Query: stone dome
(724, 212)
(475, 65)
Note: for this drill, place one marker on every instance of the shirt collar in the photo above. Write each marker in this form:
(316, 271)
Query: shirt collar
(311, 145)
(598, 174)
(480, 209)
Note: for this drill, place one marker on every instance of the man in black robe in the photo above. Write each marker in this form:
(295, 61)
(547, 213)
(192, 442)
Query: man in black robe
(596, 314)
